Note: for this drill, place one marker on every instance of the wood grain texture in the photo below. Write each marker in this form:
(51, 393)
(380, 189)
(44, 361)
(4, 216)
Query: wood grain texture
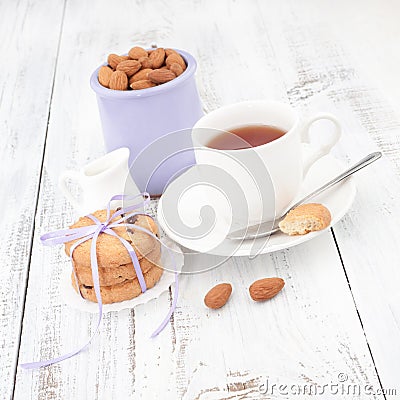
(311, 331)
(331, 75)
(109, 368)
(249, 342)
(30, 34)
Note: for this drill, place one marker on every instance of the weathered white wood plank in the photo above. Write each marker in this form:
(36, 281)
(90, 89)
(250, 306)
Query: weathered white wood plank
(29, 34)
(311, 332)
(369, 242)
(109, 369)
(325, 69)
(372, 44)
(301, 336)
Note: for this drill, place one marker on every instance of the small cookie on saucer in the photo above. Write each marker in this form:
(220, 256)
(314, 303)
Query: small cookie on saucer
(305, 218)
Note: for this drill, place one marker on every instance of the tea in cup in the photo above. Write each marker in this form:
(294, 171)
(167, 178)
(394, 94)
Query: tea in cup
(258, 148)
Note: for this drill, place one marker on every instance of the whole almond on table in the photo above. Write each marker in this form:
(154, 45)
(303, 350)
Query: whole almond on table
(144, 84)
(139, 76)
(145, 62)
(118, 81)
(104, 75)
(176, 69)
(130, 67)
(175, 58)
(218, 295)
(161, 76)
(136, 52)
(114, 59)
(157, 57)
(265, 289)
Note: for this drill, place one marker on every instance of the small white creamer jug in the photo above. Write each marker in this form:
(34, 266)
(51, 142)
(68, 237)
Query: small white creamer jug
(98, 181)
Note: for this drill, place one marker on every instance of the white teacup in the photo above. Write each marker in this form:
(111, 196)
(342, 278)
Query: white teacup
(98, 181)
(270, 175)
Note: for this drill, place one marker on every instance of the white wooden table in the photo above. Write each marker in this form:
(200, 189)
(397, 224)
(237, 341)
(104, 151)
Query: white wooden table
(340, 310)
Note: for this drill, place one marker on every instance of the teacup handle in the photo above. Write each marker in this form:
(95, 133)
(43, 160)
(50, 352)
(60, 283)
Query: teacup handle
(63, 180)
(326, 148)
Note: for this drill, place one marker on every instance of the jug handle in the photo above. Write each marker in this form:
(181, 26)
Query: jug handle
(63, 180)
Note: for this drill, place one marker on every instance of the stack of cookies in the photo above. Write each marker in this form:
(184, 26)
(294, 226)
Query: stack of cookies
(118, 280)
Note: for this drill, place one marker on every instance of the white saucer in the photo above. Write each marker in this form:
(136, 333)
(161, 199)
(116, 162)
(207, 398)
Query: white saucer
(337, 199)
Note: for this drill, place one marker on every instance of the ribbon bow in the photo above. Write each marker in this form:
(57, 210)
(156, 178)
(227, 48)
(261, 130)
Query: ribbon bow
(85, 233)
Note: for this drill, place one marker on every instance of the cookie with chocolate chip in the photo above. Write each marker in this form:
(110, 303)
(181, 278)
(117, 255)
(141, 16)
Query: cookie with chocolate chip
(114, 275)
(125, 290)
(109, 249)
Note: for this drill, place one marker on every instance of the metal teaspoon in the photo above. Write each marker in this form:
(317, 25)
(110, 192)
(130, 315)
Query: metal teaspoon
(270, 227)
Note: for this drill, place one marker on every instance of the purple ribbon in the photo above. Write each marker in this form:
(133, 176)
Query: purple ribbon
(85, 233)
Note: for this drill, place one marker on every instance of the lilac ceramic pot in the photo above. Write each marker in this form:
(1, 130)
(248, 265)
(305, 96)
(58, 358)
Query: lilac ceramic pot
(145, 120)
